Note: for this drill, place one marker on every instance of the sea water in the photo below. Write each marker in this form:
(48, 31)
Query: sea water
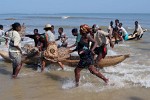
(133, 72)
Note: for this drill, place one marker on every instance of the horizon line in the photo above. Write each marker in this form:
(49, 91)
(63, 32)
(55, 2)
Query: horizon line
(78, 13)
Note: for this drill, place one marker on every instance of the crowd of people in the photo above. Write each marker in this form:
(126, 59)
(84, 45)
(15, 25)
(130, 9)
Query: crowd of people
(91, 44)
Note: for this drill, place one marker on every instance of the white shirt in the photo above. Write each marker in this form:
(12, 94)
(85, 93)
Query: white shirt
(100, 37)
(14, 36)
(1, 33)
(51, 36)
(139, 29)
(103, 32)
(110, 29)
(123, 31)
(63, 38)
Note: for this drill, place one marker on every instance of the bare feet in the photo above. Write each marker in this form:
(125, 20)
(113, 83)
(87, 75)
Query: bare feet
(42, 69)
(13, 76)
(61, 65)
(106, 80)
(77, 84)
(6, 46)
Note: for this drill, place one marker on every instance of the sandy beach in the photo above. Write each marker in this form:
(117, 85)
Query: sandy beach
(33, 85)
(129, 80)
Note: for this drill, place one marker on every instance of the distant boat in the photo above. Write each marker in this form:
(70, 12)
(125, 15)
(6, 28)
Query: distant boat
(10, 19)
(65, 17)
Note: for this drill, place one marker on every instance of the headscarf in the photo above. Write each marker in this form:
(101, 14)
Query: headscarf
(84, 29)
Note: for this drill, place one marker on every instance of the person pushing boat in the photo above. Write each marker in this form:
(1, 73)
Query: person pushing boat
(15, 49)
(86, 55)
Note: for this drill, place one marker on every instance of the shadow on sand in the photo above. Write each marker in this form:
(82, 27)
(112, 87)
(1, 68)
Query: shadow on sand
(135, 98)
(33, 66)
(5, 72)
(54, 77)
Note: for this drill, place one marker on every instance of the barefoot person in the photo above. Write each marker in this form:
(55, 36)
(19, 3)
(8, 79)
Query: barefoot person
(49, 38)
(53, 29)
(78, 37)
(15, 49)
(2, 39)
(123, 32)
(86, 55)
(110, 28)
(138, 30)
(116, 34)
(100, 37)
(36, 33)
(3, 36)
(62, 37)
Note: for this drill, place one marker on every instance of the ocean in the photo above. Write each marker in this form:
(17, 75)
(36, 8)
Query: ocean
(131, 76)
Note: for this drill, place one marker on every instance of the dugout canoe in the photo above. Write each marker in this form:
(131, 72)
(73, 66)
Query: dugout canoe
(73, 60)
(106, 62)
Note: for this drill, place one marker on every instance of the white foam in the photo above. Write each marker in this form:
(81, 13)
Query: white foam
(111, 52)
(124, 45)
(26, 74)
(122, 76)
(65, 17)
(68, 84)
(129, 75)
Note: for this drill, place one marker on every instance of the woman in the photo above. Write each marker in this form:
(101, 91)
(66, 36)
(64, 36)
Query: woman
(49, 38)
(86, 54)
(15, 49)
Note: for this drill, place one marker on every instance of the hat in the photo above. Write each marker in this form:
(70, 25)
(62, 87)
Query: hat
(47, 26)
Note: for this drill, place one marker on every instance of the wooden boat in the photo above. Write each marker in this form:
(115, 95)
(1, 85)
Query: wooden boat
(106, 62)
(72, 61)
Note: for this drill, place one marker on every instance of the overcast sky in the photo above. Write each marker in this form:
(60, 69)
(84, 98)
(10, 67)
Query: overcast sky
(74, 6)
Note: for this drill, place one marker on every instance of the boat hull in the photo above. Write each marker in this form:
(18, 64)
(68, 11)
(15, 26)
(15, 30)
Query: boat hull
(72, 61)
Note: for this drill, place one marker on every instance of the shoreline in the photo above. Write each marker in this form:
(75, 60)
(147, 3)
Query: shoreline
(41, 86)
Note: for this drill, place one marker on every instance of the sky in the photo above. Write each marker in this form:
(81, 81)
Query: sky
(74, 6)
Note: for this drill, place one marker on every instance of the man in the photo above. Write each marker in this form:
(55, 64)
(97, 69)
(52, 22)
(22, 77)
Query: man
(116, 34)
(116, 23)
(123, 32)
(110, 28)
(34, 36)
(138, 30)
(2, 39)
(100, 37)
(62, 37)
(53, 29)
(78, 37)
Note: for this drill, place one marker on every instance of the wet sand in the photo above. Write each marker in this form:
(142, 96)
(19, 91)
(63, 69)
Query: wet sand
(32, 85)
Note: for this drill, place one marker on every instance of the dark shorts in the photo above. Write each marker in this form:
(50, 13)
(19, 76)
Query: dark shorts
(101, 50)
(86, 60)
